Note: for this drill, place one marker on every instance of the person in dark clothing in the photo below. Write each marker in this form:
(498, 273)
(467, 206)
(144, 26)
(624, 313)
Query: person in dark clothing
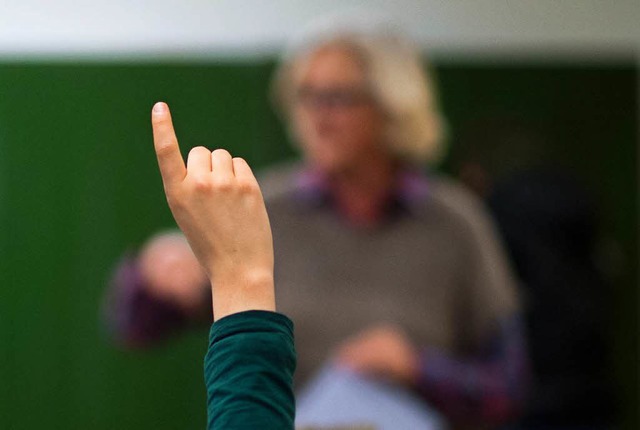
(549, 223)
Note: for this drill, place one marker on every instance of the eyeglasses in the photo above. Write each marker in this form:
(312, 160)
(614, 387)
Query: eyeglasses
(332, 98)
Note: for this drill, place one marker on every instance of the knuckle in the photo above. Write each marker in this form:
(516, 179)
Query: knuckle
(248, 187)
(201, 184)
(223, 185)
(163, 149)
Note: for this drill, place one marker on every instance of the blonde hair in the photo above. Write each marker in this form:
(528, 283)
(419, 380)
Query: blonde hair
(398, 82)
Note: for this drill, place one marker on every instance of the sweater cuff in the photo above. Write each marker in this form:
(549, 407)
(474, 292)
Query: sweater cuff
(250, 321)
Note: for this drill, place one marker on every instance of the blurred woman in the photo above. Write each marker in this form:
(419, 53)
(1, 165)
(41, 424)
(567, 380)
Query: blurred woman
(385, 270)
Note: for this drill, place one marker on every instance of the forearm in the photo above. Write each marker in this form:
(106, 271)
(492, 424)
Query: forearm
(249, 371)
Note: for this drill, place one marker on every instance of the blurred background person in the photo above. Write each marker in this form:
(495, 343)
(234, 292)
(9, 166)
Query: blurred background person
(550, 224)
(385, 270)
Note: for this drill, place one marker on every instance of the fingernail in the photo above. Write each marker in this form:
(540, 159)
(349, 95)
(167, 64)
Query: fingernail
(160, 107)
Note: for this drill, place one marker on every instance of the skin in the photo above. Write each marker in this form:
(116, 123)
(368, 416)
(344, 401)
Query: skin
(344, 142)
(173, 272)
(216, 201)
(384, 351)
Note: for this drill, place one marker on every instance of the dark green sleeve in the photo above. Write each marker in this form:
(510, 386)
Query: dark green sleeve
(248, 371)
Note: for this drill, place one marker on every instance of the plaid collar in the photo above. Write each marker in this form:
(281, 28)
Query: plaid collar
(410, 192)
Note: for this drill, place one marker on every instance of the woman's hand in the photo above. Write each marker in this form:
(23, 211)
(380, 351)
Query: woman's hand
(383, 351)
(217, 203)
(171, 272)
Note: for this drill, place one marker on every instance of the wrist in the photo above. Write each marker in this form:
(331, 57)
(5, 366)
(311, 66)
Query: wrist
(251, 290)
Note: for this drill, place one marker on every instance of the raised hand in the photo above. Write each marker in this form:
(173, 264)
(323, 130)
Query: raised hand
(217, 203)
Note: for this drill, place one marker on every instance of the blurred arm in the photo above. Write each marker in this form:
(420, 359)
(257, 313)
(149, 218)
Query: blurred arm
(488, 387)
(134, 317)
(157, 292)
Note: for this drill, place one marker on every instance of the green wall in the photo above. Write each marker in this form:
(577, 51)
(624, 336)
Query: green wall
(79, 186)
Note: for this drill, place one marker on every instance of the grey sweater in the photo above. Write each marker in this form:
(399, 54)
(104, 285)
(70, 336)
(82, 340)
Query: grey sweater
(434, 268)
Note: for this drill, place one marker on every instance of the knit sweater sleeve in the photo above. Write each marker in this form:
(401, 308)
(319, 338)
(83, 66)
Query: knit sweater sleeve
(248, 372)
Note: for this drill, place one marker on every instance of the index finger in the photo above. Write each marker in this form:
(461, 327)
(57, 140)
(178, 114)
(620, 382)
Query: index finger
(170, 160)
